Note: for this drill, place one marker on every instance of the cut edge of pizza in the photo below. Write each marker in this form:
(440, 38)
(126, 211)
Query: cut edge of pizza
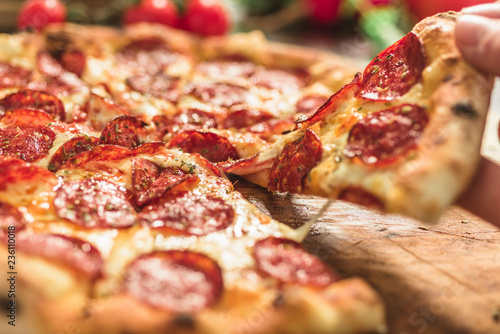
(403, 137)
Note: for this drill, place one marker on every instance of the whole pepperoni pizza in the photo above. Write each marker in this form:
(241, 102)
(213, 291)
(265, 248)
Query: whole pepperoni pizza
(115, 208)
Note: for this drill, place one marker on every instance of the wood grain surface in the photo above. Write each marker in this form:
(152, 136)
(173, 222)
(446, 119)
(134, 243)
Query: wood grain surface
(442, 278)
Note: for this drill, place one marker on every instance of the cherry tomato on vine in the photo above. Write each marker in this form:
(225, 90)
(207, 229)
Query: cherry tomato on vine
(207, 17)
(424, 8)
(158, 11)
(40, 13)
(323, 11)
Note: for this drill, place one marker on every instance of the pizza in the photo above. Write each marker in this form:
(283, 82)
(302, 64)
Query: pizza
(116, 212)
(115, 218)
(403, 137)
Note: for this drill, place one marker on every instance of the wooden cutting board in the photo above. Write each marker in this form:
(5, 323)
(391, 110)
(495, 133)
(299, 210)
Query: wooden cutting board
(442, 278)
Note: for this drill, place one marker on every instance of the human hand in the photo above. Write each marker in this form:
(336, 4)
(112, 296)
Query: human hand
(478, 38)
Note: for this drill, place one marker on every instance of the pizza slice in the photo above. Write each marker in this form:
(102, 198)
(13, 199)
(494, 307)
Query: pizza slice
(403, 137)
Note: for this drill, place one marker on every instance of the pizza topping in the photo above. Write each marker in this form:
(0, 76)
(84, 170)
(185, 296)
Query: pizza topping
(155, 183)
(361, 197)
(179, 281)
(386, 135)
(159, 85)
(26, 142)
(191, 119)
(101, 110)
(14, 173)
(210, 145)
(94, 203)
(70, 149)
(394, 71)
(32, 99)
(123, 131)
(266, 130)
(10, 216)
(243, 116)
(287, 261)
(13, 76)
(297, 158)
(70, 252)
(149, 55)
(189, 212)
(219, 94)
(310, 103)
(227, 68)
(283, 80)
(73, 61)
(98, 153)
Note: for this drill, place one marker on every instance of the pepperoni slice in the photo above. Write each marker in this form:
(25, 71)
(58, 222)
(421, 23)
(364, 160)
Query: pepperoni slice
(70, 149)
(219, 94)
(395, 70)
(123, 131)
(242, 116)
(73, 253)
(10, 216)
(101, 110)
(32, 99)
(294, 164)
(65, 84)
(266, 130)
(309, 104)
(210, 145)
(98, 153)
(386, 135)
(191, 119)
(7, 161)
(94, 203)
(179, 281)
(73, 61)
(149, 183)
(35, 176)
(362, 197)
(159, 85)
(13, 76)
(283, 80)
(288, 262)
(28, 143)
(149, 55)
(227, 68)
(332, 104)
(25, 117)
(189, 212)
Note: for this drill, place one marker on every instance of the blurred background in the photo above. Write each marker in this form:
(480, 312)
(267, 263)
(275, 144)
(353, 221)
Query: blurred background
(355, 28)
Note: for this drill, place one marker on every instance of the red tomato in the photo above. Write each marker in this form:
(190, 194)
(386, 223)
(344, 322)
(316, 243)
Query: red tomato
(39, 13)
(424, 8)
(323, 11)
(158, 11)
(207, 17)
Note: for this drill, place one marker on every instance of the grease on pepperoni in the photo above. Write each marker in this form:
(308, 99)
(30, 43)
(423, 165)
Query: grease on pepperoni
(25, 117)
(179, 281)
(28, 143)
(191, 119)
(395, 70)
(288, 262)
(219, 94)
(73, 253)
(73, 61)
(13, 76)
(94, 203)
(386, 135)
(159, 85)
(96, 154)
(297, 158)
(150, 183)
(188, 212)
(32, 99)
(123, 131)
(210, 145)
(243, 116)
(70, 149)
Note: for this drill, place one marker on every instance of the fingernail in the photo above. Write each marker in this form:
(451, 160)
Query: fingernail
(470, 29)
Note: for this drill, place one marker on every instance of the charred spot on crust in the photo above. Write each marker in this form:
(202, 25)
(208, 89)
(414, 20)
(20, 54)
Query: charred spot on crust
(184, 321)
(57, 43)
(448, 77)
(465, 110)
